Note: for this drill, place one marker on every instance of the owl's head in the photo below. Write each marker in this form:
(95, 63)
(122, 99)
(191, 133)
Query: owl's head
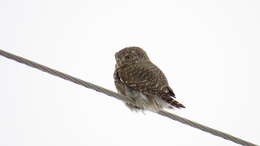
(131, 55)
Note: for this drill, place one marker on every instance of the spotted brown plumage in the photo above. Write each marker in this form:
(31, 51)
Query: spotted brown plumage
(136, 76)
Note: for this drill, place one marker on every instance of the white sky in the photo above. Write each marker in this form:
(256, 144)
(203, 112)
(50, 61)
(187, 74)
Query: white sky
(209, 50)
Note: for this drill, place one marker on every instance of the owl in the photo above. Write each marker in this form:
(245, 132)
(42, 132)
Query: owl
(137, 77)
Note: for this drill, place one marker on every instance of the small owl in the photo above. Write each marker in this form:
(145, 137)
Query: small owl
(137, 77)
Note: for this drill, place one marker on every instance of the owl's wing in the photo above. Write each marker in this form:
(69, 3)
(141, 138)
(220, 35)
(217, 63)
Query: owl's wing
(146, 78)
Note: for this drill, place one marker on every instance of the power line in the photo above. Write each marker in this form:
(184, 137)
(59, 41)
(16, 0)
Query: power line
(123, 98)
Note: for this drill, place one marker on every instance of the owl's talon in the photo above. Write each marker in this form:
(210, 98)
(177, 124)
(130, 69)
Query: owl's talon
(133, 107)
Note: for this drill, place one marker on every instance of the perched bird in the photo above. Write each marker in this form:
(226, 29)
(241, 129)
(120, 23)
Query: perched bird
(137, 77)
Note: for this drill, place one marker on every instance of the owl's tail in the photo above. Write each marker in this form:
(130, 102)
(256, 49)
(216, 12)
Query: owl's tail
(173, 102)
(176, 104)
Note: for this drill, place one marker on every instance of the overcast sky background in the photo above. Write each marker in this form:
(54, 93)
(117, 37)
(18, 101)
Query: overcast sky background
(208, 49)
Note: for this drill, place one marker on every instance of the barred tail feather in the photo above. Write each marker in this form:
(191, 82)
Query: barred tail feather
(176, 104)
(173, 102)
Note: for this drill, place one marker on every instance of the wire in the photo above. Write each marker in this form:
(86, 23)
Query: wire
(123, 98)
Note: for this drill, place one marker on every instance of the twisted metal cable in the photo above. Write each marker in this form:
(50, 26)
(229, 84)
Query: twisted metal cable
(123, 98)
